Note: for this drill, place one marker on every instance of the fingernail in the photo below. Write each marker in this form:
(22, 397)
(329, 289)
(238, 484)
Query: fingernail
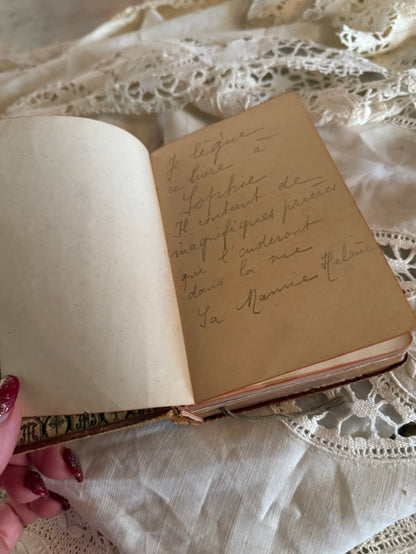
(73, 464)
(34, 482)
(61, 499)
(9, 388)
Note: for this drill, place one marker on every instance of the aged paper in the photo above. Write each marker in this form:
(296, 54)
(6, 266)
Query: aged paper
(274, 267)
(88, 315)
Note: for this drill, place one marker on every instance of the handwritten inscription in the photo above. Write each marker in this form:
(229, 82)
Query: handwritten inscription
(242, 220)
(253, 298)
(313, 196)
(288, 183)
(207, 317)
(189, 277)
(270, 240)
(198, 291)
(201, 172)
(264, 243)
(172, 165)
(212, 148)
(332, 261)
(286, 255)
(198, 199)
(245, 271)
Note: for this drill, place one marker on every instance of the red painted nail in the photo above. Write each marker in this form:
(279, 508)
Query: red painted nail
(73, 464)
(9, 388)
(34, 482)
(61, 499)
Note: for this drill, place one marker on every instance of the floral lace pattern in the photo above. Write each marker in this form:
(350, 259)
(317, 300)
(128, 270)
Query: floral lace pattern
(399, 538)
(400, 250)
(64, 533)
(367, 27)
(378, 418)
(228, 73)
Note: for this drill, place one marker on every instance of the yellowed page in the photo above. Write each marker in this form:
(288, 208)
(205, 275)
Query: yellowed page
(274, 267)
(88, 314)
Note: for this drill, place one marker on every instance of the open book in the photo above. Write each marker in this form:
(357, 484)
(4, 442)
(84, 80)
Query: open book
(227, 268)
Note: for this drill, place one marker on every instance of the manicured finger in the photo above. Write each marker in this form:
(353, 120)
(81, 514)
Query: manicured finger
(23, 484)
(9, 389)
(61, 499)
(58, 463)
(10, 418)
(47, 507)
(22, 511)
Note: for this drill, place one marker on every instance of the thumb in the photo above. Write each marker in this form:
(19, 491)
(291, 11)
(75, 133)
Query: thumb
(11, 525)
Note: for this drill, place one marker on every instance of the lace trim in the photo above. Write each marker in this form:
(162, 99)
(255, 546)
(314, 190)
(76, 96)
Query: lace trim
(378, 419)
(400, 250)
(64, 533)
(220, 76)
(368, 27)
(399, 538)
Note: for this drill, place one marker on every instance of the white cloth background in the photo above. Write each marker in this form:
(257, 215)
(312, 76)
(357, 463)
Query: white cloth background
(322, 484)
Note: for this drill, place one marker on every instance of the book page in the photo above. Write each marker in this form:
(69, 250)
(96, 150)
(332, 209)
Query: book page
(88, 314)
(274, 267)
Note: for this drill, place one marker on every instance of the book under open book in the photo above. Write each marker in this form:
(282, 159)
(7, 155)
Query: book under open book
(228, 268)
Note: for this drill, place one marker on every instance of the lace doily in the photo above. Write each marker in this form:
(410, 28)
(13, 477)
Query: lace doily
(378, 419)
(64, 533)
(368, 27)
(399, 538)
(149, 72)
(400, 250)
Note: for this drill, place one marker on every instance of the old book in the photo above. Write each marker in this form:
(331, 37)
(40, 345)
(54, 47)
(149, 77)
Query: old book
(228, 268)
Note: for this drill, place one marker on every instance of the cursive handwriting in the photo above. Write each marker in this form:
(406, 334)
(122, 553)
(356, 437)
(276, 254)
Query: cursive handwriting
(244, 270)
(196, 201)
(207, 318)
(199, 172)
(331, 260)
(253, 296)
(298, 202)
(287, 183)
(258, 149)
(246, 224)
(182, 226)
(213, 147)
(202, 244)
(172, 165)
(185, 277)
(286, 255)
(198, 291)
(233, 207)
(269, 240)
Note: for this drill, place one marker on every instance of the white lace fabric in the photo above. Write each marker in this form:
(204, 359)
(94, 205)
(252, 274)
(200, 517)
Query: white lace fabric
(399, 538)
(379, 413)
(66, 533)
(169, 65)
(354, 65)
(368, 28)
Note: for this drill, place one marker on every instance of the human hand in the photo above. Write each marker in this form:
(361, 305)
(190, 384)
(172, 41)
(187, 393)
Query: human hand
(28, 497)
